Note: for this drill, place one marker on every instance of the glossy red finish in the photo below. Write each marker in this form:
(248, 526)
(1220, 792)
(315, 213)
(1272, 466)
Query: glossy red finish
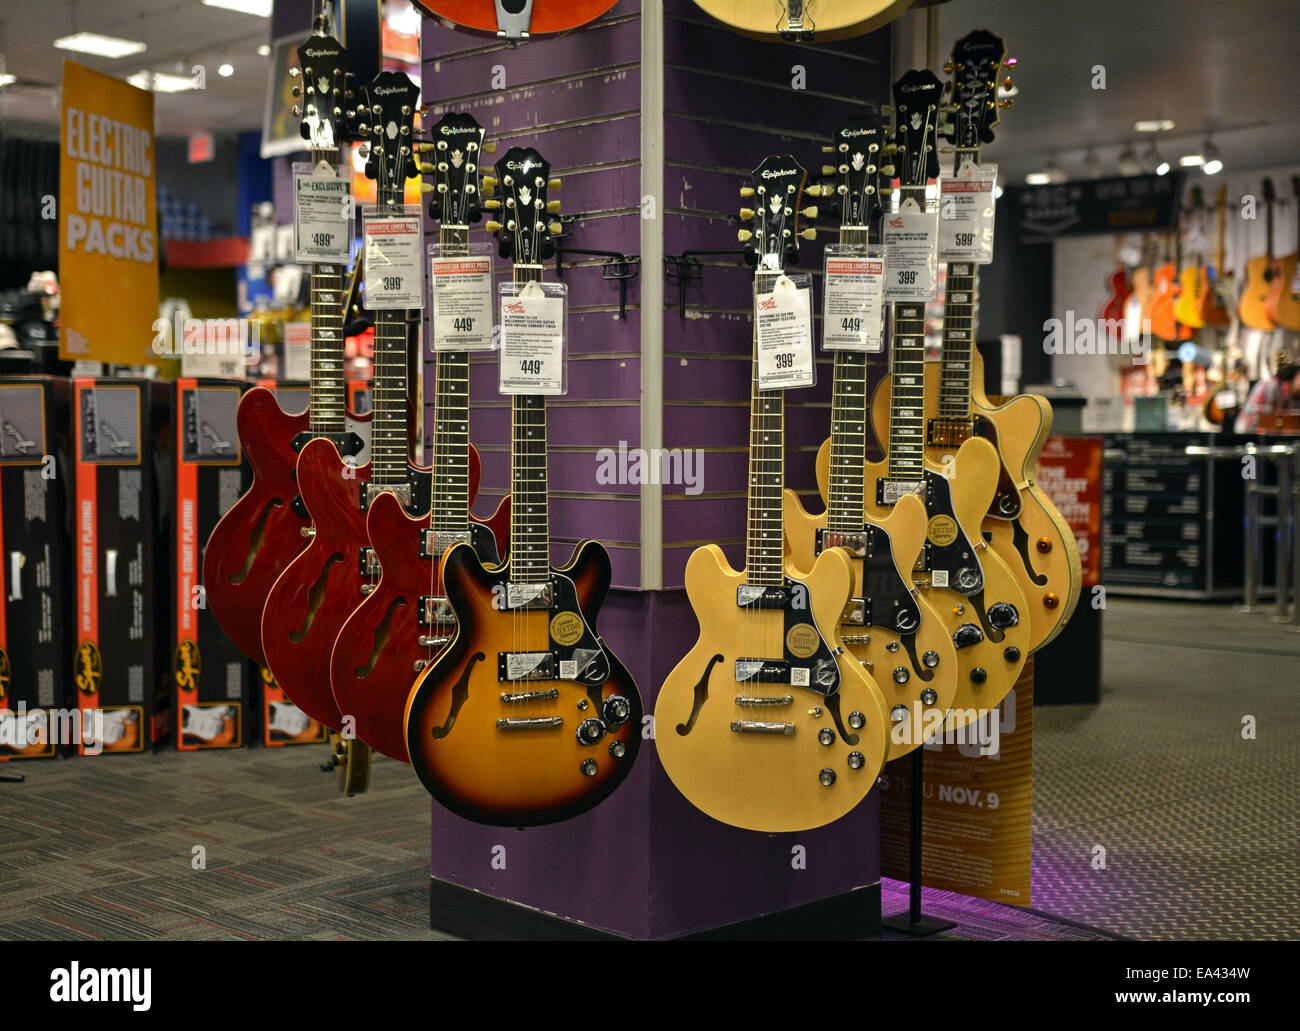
(373, 665)
(1118, 293)
(548, 15)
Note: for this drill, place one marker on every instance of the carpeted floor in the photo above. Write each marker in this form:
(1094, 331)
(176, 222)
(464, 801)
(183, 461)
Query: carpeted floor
(1200, 827)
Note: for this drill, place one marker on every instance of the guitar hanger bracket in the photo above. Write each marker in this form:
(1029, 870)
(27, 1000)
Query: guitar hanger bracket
(618, 266)
(687, 268)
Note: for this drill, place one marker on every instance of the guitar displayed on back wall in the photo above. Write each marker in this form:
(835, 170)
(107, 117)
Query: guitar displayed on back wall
(981, 602)
(526, 717)
(1260, 272)
(405, 619)
(767, 724)
(515, 19)
(315, 595)
(1283, 303)
(804, 20)
(265, 530)
(888, 624)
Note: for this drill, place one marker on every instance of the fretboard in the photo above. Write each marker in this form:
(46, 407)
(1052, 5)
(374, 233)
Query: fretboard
(450, 512)
(763, 533)
(388, 449)
(959, 299)
(326, 385)
(848, 426)
(530, 547)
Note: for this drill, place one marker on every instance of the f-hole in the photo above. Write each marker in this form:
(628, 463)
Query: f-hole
(381, 639)
(701, 696)
(1021, 541)
(255, 541)
(459, 692)
(314, 600)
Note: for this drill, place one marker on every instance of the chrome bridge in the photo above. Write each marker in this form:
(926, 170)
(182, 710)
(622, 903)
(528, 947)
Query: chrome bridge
(764, 701)
(530, 723)
(370, 491)
(758, 727)
(434, 544)
(546, 695)
(436, 610)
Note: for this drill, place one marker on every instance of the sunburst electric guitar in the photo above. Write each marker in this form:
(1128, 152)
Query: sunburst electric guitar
(266, 528)
(526, 717)
(767, 724)
(888, 624)
(316, 594)
(1025, 528)
(976, 594)
(405, 619)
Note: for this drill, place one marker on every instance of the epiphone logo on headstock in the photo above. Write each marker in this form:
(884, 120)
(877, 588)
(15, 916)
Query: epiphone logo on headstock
(776, 173)
(387, 91)
(850, 133)
(516, 166)
(920, 88)
(456, 130)
(322, 53)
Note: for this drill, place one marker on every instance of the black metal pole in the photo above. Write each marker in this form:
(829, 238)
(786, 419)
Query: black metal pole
(914, 922)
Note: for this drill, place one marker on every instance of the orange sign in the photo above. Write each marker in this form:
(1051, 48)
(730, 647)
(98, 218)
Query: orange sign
(108, 253)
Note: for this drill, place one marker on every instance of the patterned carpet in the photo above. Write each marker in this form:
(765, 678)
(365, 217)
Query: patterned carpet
(1200, 827)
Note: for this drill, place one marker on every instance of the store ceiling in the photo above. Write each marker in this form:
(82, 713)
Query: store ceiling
(1204, 63)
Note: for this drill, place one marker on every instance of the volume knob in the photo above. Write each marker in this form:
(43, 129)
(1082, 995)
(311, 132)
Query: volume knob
(590, 731)
(616, 709)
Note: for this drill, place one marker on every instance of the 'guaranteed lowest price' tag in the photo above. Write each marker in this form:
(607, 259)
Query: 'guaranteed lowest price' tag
(910, 238)
(462, 303)
(394, 273)
(532, 344)
(852, 303)
(966, 214)
(783, 321)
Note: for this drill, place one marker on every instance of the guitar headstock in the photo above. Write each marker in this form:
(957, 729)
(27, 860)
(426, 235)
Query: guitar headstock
(456, 146)
(385, 121)
(917, 98)
(863, 170)
(777, 190)
(322, 68)
(525, 230)
(978, 60)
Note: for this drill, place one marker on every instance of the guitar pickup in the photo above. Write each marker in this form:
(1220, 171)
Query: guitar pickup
(771, 671)
(527, 596)
(948, 433)
(857, 612)
(516, 666)
(859, 544)
(370, 491)
(436, 610)
(434, 544)
(369, 561)
(753, 597)
(889, 491)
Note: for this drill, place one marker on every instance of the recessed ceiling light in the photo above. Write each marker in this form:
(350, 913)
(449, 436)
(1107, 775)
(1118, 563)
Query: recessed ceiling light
(1153, 125)
(1191, 160)
(261, 8)
(162, 82)
(7, 80)
(1162, 168)
(226, 71)
(100, 46)
(264, 50)
(1038, 178)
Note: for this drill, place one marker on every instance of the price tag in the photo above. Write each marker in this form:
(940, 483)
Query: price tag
(852, 305)
(297, 351)
(394, 274)
(966, 214)
(461, 292)
(322, 213)
(911, 236)
(532, 340)
(783, 321)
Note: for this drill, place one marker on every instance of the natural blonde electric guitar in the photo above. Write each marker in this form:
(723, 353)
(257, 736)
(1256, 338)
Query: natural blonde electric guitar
(767, 724)
(803, 20)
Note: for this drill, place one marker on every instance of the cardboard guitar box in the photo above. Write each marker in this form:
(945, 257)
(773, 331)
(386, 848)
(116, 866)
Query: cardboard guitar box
(122, 439)
(34, 564)
(211, 680)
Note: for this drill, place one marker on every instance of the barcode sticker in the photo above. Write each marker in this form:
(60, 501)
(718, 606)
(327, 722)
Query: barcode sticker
(938, 578)
(799, 676)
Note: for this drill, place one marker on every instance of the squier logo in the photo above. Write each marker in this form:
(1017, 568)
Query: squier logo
(121, 984)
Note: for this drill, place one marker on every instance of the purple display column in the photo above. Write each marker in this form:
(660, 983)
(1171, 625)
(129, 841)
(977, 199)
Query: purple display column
(645, 863)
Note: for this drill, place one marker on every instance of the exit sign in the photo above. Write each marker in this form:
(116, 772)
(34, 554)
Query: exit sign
(202, 147)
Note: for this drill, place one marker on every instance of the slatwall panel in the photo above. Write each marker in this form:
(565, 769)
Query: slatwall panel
(577, 100)
(728, 103)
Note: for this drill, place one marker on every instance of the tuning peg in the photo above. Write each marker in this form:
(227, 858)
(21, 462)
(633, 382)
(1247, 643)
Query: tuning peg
(828, 149)
(744, 236)
(492, 205)
(1007, 103)
(492, 227)
(810, 211)
(885, 191)
(297, 111)
(555, 229)
(886, 109)
(889, 148)
(1007, 83)
(947, 67)
(553, 206)
(428, 168)
(887, 170)
(426, 187)
(294, 72)
(829, 169)
(746, 214)
(424, 148)
(490, 148)
(819, 191)
(296, 92)
(948, 109)
(747, 191)
(552, 184)
(809, 234)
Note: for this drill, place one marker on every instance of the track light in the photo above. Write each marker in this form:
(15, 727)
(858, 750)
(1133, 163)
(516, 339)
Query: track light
(1213, 163)
(1128, 161)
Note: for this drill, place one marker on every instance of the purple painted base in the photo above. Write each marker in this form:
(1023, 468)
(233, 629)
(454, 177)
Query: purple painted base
(646, 863)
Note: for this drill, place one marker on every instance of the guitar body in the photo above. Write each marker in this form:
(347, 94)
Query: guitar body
(1194, 286)
(925, 654)
(989, 657)
(1253, 307)
(374, 661)
(1163, 322)
(832, 19)
(522, 776)
(549, 16)
(769, 782)
(1213, 312)
(1283, 306)
(1117, 295)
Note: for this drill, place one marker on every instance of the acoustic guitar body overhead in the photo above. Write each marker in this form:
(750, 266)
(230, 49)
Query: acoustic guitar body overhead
(825, 20)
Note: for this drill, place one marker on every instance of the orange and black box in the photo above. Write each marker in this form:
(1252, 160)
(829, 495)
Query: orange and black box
(212, 681)
(35, 571)
(122, 440)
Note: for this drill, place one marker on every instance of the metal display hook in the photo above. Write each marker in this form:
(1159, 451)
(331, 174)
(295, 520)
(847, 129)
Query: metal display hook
(618, 266)
(686, 268)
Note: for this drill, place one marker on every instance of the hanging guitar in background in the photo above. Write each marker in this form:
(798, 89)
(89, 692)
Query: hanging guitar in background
(1283, 303)
(1253, 309)
(514, 19)
(804, 20)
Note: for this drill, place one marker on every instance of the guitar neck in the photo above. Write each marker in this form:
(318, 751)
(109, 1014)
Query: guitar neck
(763, 533)
(450, 512)
(530, 548)
(959, 296)
(844, 503)
(388, 449)
(326, 385)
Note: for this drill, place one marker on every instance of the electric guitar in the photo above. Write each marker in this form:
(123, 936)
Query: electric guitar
(314, 596)
(804, 20)
(405, 619)
(1260, 272)
(1164, 322)
(1283, 300)
(983, 605)
(888, 624)
(514, 19)
(526, 717)
(265, 529)
(767, 724)
(1025, 528)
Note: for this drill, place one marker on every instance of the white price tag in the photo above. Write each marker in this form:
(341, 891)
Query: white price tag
(297, 351)
(966, 214)
(852, 305)
(394, 272)
(322, 213)
(783, 321)
(910, 239)
(461, 289)
(532, 344)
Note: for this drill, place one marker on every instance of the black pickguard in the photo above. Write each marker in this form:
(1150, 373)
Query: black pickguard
(958, 559)
(824, 676)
